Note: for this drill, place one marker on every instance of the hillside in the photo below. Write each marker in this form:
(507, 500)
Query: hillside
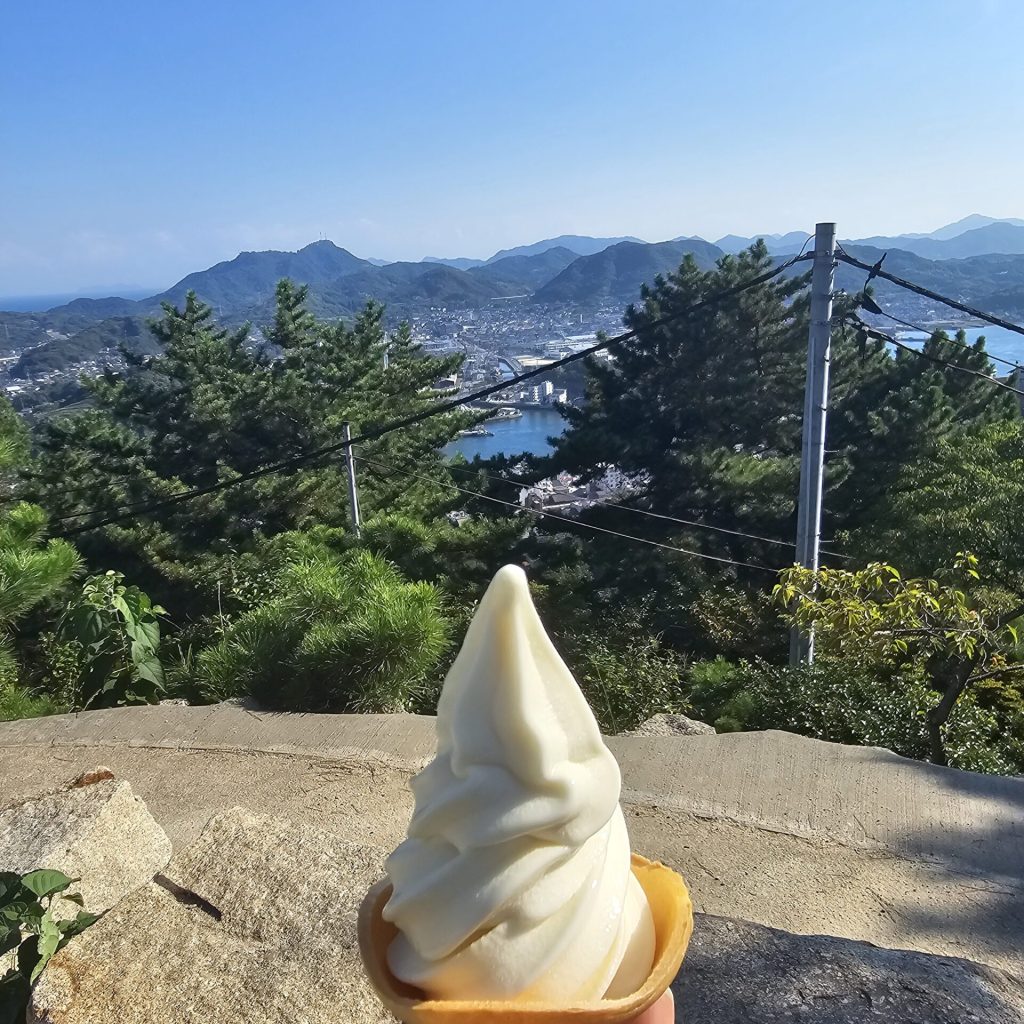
(458, 262)
(968, 223)
(582, 245)
(792, 241)
(89, 343)
(995, 282)
(617, 272)
(249, 279)
(404, 284)
(525, 273)
(992, 239)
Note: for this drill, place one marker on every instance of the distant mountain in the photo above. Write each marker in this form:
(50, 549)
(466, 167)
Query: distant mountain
(42, 303)
(992, 281)
(405, 284)
(968, 223)
(458, 262)
(525, 273)
(617, 272)
(1000, 237)
(582, 245)
(249, 279)
(790, 242)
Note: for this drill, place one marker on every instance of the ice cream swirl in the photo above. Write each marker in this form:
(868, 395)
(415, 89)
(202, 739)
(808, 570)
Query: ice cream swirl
(514, 881)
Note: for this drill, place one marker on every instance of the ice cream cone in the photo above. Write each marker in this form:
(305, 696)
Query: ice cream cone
(670, 906)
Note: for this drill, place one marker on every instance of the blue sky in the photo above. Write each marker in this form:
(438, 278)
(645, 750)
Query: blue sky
(143, 140)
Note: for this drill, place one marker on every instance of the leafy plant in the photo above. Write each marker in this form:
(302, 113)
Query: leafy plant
(106, 648)
(335, 633)
(847, 703)
(946, 628)
(625, 680)
(31, 932)
(21, 702)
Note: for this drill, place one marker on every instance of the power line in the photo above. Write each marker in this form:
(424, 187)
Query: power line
(645, 512)
(564, 519)
(878, 311)
(118, 513)
(890, 340)
(876, 271)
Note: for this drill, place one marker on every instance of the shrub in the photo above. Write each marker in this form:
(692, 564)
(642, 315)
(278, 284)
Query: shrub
(625, 681)
(853, 705)
(31, 932)
(335, 633)
(106, 648)
(20, 702)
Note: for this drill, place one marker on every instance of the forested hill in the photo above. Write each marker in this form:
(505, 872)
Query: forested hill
(993, 282)
(238, 285)
(341, 283)
(618, 271)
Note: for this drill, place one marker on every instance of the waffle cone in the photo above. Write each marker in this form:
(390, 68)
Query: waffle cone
(673, 922)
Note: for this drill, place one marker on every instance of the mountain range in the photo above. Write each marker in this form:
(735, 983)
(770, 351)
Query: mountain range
(978, 258)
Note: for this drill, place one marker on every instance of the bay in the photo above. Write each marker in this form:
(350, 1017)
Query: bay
(526, 433)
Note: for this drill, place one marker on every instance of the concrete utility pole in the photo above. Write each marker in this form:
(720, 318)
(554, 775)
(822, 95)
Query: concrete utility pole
(812, 458)
(353, 493)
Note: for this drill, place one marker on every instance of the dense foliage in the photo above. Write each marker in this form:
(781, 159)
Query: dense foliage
(333, 633)
(271, 595)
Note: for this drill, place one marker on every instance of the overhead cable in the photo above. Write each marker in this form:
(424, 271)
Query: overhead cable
(877, 271)
(890, 340)
(564, 519)
(119, 513)
(696, 524)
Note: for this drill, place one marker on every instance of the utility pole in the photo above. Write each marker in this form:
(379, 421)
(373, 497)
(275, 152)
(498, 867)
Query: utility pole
(812, 457)
(353, 493)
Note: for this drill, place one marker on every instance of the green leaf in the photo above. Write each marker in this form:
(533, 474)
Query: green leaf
(45, 882)
(73, 897)
(76, 926)
(49, 940)
(10, 886)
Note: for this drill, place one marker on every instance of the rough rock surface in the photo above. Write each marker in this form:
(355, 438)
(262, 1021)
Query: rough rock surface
(672, 725)
(741, 973)
(255, 922)
(96, 829)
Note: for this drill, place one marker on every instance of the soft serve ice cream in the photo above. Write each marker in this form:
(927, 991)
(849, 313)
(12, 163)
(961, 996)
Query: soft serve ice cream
(514, 882)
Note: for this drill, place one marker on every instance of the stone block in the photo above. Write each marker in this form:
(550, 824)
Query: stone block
(254, 924)
(736, 972)
(96, 829)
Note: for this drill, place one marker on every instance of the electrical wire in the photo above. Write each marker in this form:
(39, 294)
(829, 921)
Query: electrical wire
(890, 340)
(949, 341)
(645, 512)
(996, 321)
(118, 513)
(564, 519)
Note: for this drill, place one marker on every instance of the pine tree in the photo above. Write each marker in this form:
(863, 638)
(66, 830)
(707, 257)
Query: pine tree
(705, 414)
(215, 405)
(31, 568)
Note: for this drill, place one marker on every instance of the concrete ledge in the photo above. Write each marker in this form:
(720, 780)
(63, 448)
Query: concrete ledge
(863, 797)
